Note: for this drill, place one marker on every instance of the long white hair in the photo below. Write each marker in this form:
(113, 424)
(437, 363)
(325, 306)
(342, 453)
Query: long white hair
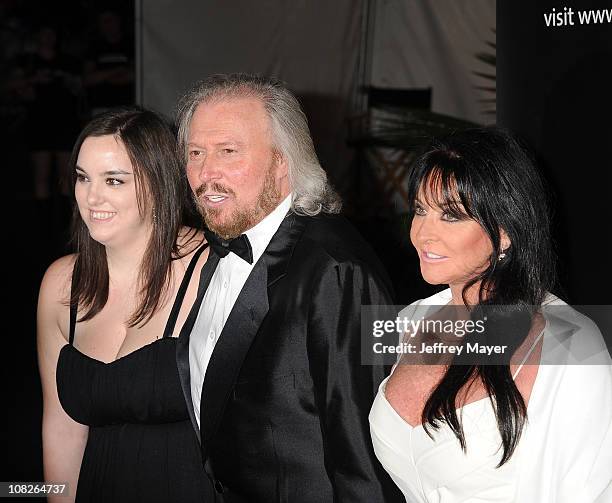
(312, 193)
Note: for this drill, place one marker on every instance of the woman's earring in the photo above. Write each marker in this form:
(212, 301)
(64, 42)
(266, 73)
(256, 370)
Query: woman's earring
(502, 256)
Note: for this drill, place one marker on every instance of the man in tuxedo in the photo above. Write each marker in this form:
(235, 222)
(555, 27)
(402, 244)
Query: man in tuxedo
(271, 370)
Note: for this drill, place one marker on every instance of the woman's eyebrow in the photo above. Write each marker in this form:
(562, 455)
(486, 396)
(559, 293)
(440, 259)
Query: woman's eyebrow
(117, 172)
(112, 172)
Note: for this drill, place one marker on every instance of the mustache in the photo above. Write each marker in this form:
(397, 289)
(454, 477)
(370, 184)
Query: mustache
(215, 187)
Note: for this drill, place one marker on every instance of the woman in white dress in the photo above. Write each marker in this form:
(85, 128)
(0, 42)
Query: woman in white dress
(537, 428)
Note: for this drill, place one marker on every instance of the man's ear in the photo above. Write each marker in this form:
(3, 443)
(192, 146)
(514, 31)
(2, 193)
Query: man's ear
(282, 167)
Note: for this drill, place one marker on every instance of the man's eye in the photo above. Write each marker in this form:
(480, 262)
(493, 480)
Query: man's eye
(194, 154)
(228, 151)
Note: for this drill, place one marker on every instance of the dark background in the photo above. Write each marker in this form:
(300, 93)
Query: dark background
(553, 88)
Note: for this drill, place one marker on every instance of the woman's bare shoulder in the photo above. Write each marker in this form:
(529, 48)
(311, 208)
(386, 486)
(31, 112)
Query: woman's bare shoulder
(55, 293)
(55, 285)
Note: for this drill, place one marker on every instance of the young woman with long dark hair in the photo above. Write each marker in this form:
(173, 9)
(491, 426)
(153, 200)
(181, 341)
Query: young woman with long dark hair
(510, 430)
(115, 422)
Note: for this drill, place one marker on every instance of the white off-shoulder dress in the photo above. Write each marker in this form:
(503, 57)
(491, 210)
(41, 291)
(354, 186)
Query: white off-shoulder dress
(564, 454)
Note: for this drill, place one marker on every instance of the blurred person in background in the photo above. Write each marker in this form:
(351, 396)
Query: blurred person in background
(47, 81)
(109, 65)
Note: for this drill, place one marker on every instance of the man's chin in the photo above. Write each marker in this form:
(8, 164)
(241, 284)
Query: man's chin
(227, 228)
(216, 225)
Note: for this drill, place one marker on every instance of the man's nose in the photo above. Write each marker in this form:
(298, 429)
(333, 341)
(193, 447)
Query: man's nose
(208, 171)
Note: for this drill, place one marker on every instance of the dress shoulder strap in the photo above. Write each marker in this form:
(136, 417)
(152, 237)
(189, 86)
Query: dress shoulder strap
(533, 346)
(175, 308)
(180, 295)
(73, 314)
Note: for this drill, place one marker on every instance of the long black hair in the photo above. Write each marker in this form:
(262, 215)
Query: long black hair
(486, 175)
(160, 191)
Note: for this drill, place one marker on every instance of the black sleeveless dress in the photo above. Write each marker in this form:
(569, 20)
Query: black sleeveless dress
(141, 446)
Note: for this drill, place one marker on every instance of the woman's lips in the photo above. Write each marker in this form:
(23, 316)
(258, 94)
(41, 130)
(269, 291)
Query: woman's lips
(101, 216)
(431, 257)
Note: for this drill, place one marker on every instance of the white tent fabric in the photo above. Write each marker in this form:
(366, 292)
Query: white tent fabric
(311, 45)
(433, 43)
(316, 46)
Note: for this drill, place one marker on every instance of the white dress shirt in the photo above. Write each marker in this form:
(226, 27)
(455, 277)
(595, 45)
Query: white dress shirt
(225, 286)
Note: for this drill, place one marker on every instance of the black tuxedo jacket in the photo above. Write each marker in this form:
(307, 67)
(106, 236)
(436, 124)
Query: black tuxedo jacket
(285, 400)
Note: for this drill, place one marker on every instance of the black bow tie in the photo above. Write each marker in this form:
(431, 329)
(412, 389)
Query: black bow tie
(240, 246)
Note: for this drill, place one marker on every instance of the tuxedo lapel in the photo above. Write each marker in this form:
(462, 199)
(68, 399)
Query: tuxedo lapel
(234, 342)
(182, 347)
(242, 326)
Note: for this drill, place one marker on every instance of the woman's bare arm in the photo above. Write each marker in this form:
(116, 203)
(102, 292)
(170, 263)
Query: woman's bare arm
(63, 438)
